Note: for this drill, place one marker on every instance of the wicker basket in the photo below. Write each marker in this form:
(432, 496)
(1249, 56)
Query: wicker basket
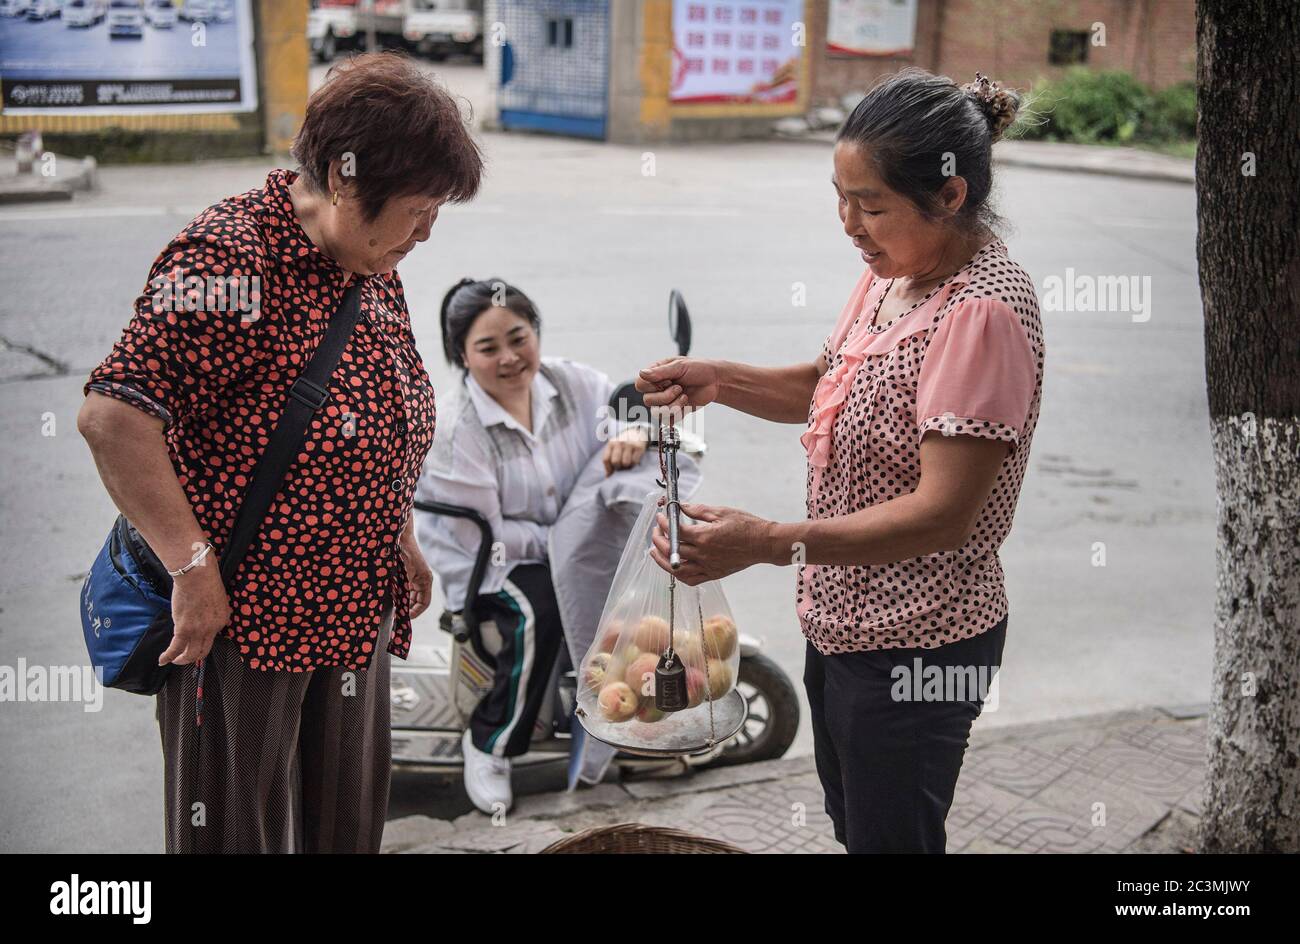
(635, 839)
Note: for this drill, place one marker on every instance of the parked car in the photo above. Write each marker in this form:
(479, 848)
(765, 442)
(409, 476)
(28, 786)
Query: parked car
(198, 11)
(126, 18)
(438, 28)
(14, 7)
(84, 12)
(331, 27)
(161, 14)
(43, 9)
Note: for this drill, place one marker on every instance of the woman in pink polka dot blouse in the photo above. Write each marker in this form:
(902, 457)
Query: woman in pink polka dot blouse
(920, 410)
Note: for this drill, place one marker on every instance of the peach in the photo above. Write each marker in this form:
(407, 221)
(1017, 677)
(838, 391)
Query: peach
(719, 678)
(617, 702)
(649, 713)
(696, 685)
(688, 646)
(628, 654)
(651, 634)
(720, 637)
(609, 634)
(637, 672)
(596, 669)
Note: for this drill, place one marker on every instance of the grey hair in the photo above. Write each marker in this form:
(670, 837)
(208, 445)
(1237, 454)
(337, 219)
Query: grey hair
(921, 129)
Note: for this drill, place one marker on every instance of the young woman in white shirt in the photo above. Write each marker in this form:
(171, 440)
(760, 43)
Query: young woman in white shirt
(510, 443)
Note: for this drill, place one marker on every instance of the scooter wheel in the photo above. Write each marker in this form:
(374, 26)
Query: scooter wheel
(773, 714)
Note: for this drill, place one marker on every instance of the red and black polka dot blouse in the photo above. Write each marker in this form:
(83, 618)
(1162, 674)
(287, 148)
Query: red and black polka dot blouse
(234, 308)
(968, 361)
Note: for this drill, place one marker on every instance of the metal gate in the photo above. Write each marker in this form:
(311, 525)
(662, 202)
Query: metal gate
(554, 66)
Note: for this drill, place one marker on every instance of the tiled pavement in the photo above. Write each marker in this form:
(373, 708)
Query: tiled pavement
(1123, 782)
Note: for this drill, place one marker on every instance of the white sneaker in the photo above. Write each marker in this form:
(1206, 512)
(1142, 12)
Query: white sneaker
(487, 778)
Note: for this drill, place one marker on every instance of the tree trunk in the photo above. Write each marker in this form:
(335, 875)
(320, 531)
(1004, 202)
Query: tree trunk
(1248, 251)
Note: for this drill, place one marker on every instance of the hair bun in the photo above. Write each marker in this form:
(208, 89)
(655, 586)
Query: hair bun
(999, 105)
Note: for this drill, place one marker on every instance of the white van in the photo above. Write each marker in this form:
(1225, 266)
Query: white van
(331, 27)
(438, 28)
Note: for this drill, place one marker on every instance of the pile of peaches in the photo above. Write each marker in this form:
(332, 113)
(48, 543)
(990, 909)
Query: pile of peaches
(620, 669)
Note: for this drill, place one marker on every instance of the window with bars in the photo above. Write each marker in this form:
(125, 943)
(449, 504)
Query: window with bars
(559, 32)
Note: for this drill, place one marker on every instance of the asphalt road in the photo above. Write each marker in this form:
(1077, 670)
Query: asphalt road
(1120, 463)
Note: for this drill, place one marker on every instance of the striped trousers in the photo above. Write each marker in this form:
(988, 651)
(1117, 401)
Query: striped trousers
(283, 762)
(528, 617)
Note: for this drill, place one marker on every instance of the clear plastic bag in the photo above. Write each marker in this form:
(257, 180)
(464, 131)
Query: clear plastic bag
(616, 680)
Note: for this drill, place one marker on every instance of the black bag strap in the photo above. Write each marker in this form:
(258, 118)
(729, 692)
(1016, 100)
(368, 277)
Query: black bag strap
(307, 395)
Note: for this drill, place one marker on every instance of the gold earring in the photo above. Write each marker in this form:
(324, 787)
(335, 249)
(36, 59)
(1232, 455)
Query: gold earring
(334, 198)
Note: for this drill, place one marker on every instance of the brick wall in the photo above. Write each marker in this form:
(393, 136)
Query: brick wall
(1008, 40)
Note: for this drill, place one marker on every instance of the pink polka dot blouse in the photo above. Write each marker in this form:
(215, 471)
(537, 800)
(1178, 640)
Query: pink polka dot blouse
(967, 361)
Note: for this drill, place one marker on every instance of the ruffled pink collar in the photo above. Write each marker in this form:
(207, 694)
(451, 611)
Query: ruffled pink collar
(855, 340)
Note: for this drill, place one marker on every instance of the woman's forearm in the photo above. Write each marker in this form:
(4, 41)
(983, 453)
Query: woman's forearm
(779, 394)
(901, 529)
(522, 539)
(940, 515)
(136, 470)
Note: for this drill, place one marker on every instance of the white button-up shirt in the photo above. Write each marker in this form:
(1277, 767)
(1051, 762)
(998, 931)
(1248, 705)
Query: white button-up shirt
(483, 458)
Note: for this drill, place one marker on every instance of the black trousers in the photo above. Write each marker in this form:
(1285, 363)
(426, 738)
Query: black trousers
(528, 617)
(889, 740)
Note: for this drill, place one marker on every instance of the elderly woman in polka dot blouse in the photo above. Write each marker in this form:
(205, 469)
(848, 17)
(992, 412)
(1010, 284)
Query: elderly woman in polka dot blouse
(290, 659)
(920, 410)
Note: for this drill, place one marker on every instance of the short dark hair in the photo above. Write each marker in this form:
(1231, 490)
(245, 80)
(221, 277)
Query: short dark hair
(912, 120)
(468, 299)
(405, 130)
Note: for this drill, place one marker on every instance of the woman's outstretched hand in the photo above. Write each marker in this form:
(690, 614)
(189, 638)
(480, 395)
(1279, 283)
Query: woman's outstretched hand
(720, 541)
(679, 383)
(624, 451)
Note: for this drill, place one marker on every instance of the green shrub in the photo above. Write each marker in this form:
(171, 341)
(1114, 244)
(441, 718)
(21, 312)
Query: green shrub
(1172, 114)
(1088, 107)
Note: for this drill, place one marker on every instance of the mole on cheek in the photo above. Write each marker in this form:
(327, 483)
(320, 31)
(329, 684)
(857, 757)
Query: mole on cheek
(373, 243)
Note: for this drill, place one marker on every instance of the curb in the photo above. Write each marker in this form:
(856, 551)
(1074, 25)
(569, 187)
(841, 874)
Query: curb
(34, 188)
(1108, 161)
(1112, 168)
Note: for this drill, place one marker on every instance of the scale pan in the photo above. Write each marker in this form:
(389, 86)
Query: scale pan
(680, 733)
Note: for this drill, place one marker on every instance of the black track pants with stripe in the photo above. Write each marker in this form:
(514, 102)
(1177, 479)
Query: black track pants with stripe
(528, 618)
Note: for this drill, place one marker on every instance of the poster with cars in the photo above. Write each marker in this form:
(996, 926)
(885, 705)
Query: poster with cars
(871, 27)
(118, 57)
(736, 51)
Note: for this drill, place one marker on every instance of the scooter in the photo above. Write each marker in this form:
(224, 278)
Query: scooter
(435, 690)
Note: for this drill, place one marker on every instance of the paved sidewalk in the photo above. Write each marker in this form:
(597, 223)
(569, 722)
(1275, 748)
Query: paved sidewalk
(1120, 782)
(1095, 159)
(1047, 155)
(67, 176)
